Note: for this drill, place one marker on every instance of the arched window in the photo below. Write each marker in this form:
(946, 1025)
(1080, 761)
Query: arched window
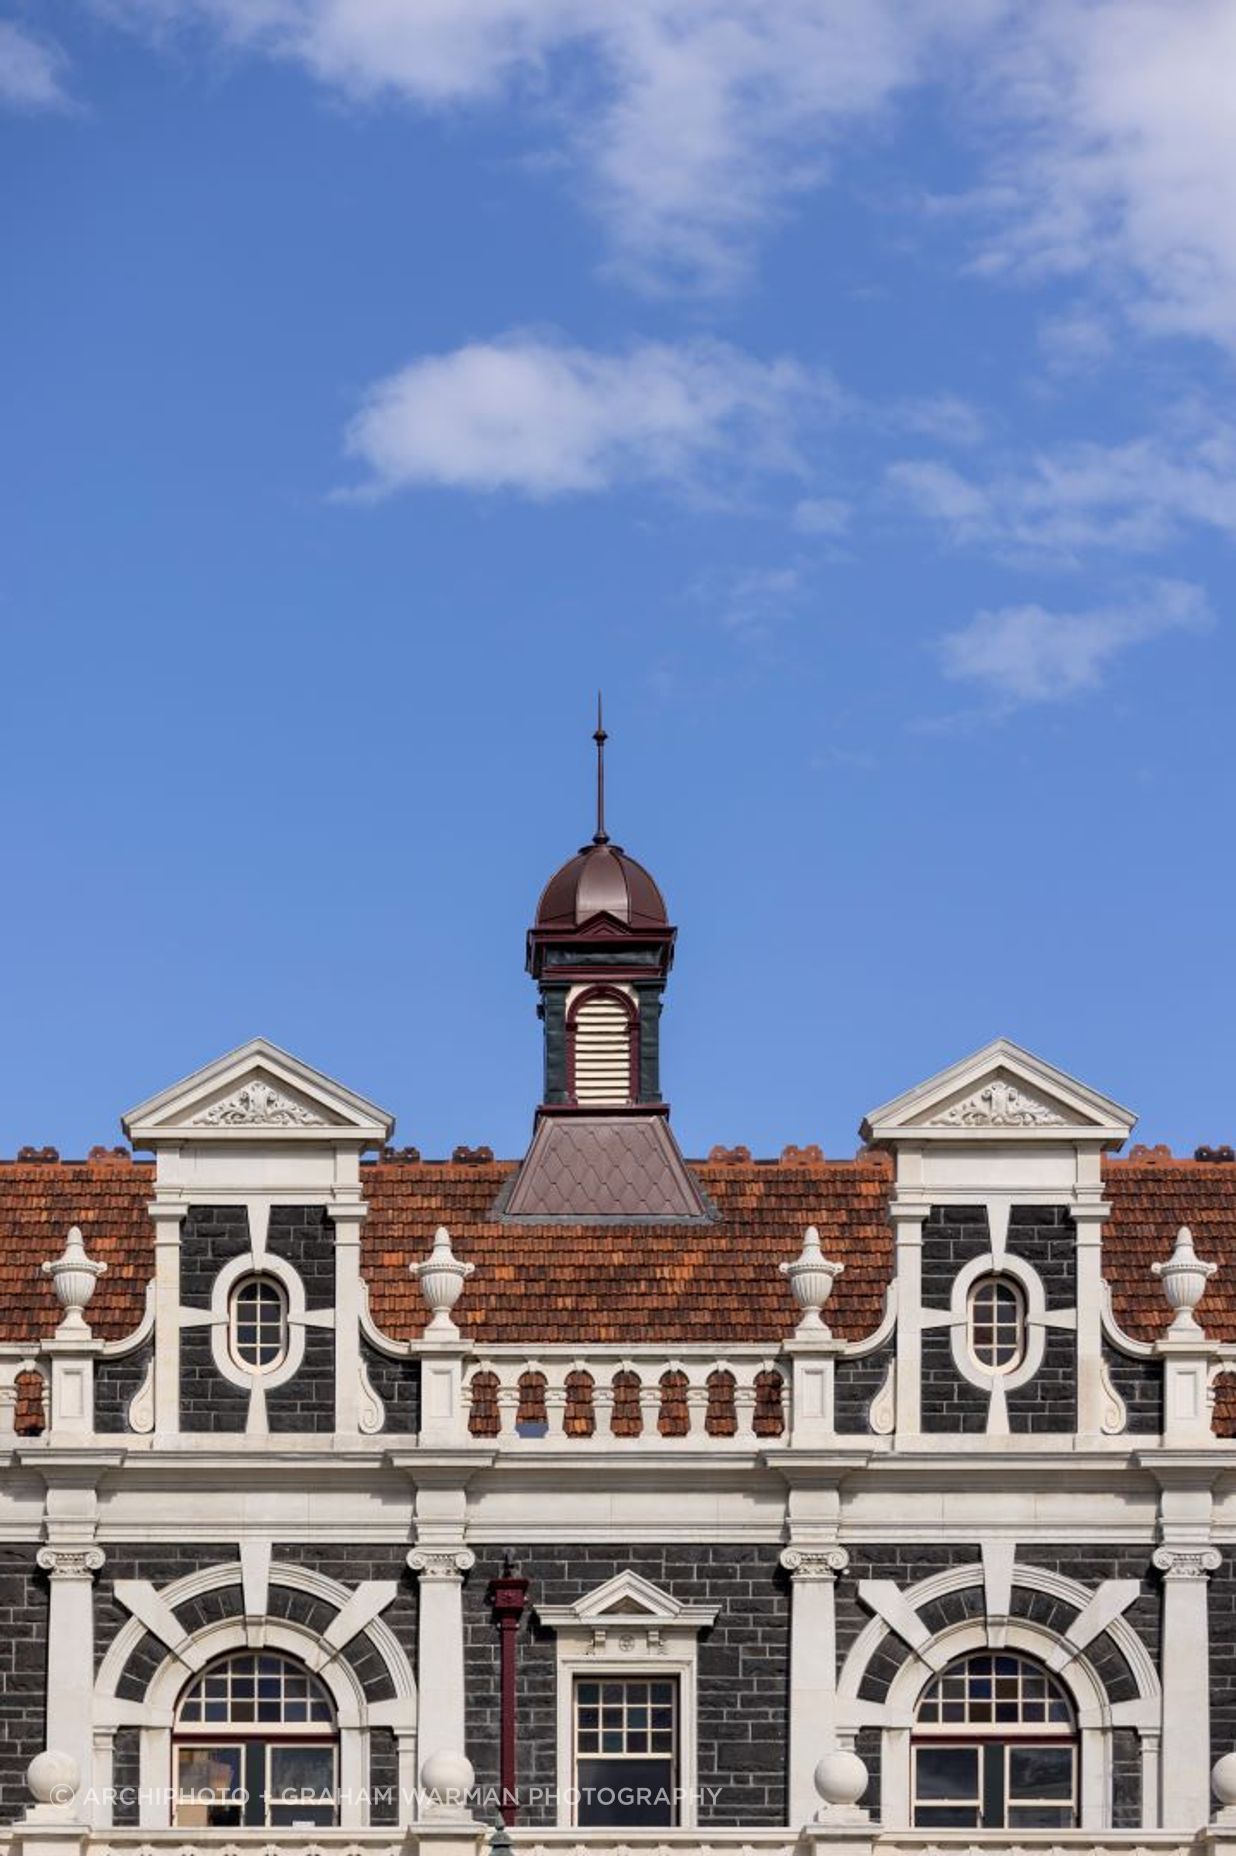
(997, 1324)
(601, 1030)
(258, 1324)
(255, 1743)
(995, 1748)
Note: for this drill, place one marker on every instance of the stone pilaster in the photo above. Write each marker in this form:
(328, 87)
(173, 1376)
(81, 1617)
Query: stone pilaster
(813, 1667)
(1185, 1674)
(70, 1656)
(440, 1647)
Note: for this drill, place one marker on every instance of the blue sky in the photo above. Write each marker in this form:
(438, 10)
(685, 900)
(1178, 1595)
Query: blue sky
(844, 387)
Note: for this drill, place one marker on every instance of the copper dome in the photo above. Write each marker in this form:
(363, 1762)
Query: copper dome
(601, 880)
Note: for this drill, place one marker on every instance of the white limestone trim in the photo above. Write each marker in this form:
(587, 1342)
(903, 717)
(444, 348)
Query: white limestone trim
(1096, 1717)
(306, 1105)
(870, 1343)
(628, 1627)
(1056, 1106)
(127, 1343)
(1030, 1578)
(356, 1611)
(1124, 1343)
(257, 1261)
(210, 1578)
(1038, 1320)
(1113, 1412)
(377, 1337)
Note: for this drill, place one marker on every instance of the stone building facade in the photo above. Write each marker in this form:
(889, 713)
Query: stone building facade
(894, 1494)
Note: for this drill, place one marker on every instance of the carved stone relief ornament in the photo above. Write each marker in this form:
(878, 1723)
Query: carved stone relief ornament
(70, 1562)
(441, 1563)
(258, 1105)
(1188, 1562)
(804, 1563)
(999, 1105)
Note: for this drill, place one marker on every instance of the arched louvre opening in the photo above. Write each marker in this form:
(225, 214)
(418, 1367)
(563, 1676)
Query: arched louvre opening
(995, 1748)
(256, 1743)
(602, 1048)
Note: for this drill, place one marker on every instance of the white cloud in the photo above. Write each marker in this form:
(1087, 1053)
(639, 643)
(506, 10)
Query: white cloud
(688, 122)
(1137, 496)
(31, 70)
(538, 416)
(1116, 154)
(1026, 654)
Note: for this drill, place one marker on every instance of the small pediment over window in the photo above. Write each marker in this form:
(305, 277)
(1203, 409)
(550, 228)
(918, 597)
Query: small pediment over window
(622, 1599)
(1001, 1093)
(257, 1092)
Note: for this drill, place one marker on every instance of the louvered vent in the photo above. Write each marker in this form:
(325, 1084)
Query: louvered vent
(602, 1051)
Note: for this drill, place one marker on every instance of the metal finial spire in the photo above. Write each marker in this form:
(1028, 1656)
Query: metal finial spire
(600, 835)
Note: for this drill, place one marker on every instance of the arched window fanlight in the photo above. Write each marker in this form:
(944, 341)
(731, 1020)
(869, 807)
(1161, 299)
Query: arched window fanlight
(258, 1324)
(601, 1030)
(996, 1324)
(995, 1748)
(256, 1743)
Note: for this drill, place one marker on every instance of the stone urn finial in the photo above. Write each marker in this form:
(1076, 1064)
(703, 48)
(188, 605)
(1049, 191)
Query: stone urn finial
(1184, 1277)
(74, 1276)
(442, 1276)
(811, 1279)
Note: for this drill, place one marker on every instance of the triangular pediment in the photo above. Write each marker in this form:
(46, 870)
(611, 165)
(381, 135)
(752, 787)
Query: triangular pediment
(1002, 1092)
(627, 1599)
(258, 1092)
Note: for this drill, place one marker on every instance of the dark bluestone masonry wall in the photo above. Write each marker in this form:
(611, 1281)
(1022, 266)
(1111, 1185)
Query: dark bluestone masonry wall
(952, 1236)
(304, 1236)
(856, 1383)
(301, 1235)
(162, 1564)
(23, 1667)
(307, 1401)
(208, 1401)
(398, 1384)
(126, 1776)
(1140, 1384)
(743, 1668)
(210, 1237)
(1048, 1402)
(1223, 1656)
(1126, 1779)
(116, 1384)
(1043, 1236)
(1089, 1565)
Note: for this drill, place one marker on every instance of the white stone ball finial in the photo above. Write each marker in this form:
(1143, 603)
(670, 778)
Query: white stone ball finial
(1184, 1277)
(1223, 1785)
(74, 1276)
(442, 1276)
(811, 1277)
(53, 1779)
(447, 1780)
(841, 1778)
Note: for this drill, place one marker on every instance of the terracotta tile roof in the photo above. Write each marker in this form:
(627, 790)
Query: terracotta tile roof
(1151, 1198)
(613, 1283)
(39, 1200)
(610, 1283)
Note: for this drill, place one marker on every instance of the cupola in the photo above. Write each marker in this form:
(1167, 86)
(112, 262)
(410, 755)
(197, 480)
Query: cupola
(600, 951)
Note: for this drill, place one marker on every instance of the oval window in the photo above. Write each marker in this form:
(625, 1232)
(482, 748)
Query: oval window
(997, 1324)
(259, 1324)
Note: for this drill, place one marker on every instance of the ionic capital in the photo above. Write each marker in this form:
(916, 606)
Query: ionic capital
(70, 1562)
(1187, 1562)
(441, 1563)
(807, 1563)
